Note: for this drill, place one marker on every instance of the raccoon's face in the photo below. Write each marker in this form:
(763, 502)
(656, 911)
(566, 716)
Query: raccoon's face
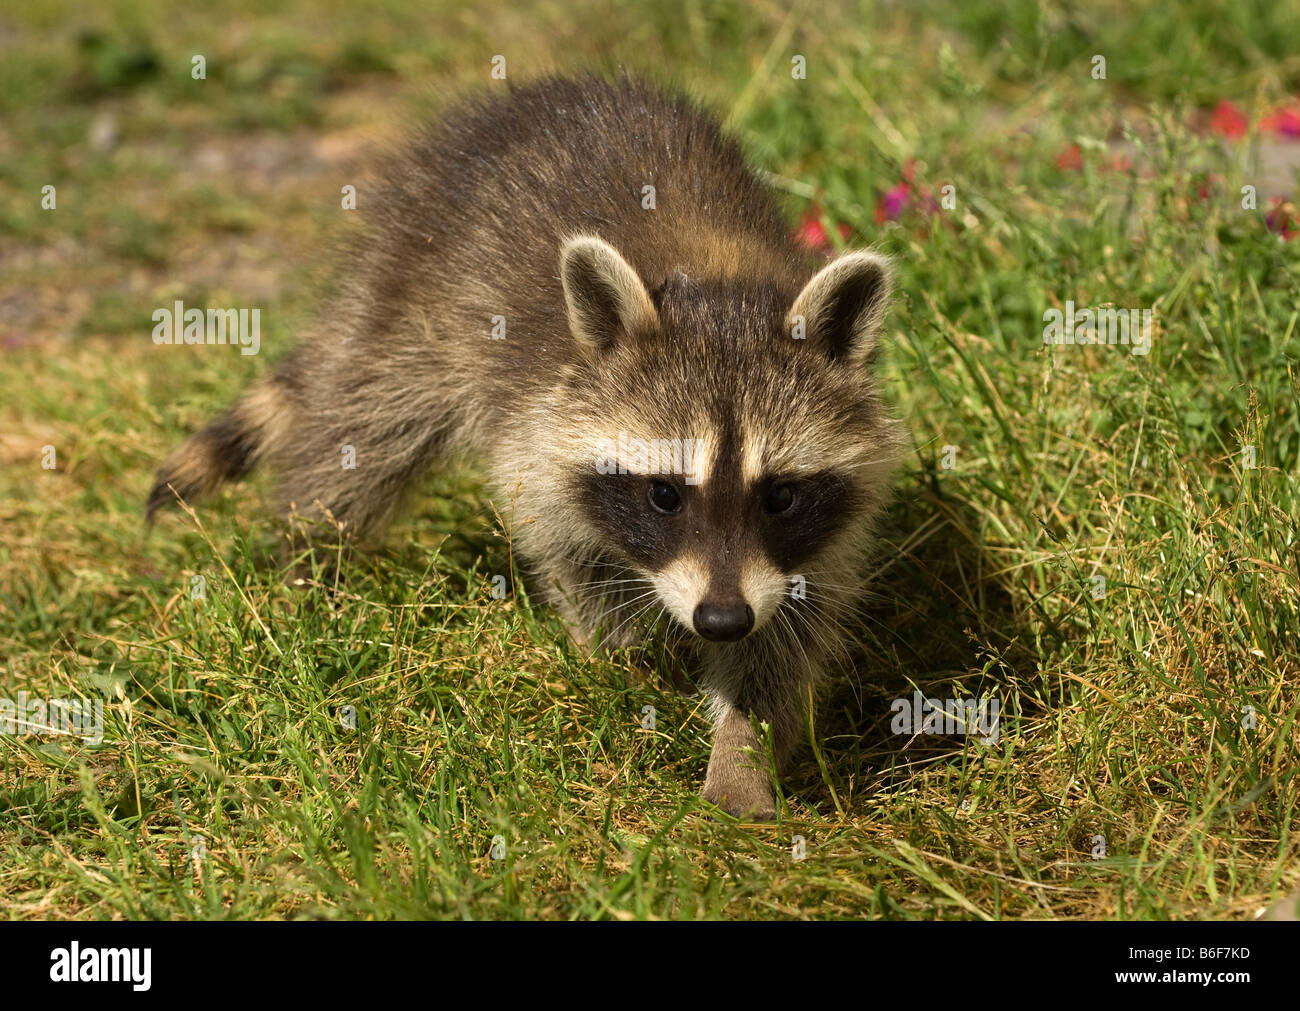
(732, 442)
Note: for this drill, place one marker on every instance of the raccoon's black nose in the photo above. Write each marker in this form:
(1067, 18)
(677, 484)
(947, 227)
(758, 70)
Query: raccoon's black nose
(724, 622)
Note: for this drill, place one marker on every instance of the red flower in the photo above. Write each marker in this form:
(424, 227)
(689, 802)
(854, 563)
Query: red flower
(1228, 121)
(812, 234)
(1070, 159)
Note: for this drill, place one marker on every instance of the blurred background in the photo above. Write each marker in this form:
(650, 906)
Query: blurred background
(222, 187)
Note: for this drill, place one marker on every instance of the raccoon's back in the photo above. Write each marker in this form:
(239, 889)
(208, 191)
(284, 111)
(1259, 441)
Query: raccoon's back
(479, 205)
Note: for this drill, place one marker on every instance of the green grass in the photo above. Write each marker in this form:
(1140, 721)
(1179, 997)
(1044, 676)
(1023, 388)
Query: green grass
(475, 717)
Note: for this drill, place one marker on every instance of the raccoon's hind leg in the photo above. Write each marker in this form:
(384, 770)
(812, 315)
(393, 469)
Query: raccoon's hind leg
(345, 436)
(357, 439)
(225, 450)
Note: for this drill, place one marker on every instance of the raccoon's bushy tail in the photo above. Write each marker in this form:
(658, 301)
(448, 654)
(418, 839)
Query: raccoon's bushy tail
(224, 451)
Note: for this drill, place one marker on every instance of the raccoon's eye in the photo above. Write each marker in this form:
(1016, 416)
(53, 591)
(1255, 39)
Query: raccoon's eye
(664, 497)
(780, 499)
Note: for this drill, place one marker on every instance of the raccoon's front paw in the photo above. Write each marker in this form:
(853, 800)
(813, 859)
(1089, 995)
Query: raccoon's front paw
(737, 780)
(747, 799)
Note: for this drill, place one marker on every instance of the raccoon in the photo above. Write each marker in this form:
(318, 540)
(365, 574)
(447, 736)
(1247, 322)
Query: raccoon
(581, 283)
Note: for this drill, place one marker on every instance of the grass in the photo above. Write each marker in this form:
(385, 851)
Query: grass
(231, 783)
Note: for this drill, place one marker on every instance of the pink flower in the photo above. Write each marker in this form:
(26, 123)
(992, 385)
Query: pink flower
(891, 205)
(1283, 121)
(1283, 220)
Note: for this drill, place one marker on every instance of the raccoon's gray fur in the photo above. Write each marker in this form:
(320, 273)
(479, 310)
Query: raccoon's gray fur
(697, 320)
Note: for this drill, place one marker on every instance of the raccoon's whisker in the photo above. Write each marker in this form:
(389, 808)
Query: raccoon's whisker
(631, 600)
(610, 582)
(827, 591)
(813, 577)
(823, 593)
(842, 637)
(822, 633)
(589, 561)
(816, 592)
(819, 583)
(837, 620)
(629, 621)
(794, 637)
(837, 610)
(621, 605)
(872, 463)
(611, 634)
(872, 619)
(787, 616)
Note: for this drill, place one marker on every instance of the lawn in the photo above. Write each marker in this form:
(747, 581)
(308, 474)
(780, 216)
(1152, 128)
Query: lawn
(1104, 541)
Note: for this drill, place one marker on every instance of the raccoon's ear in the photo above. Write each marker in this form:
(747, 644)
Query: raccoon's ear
(606, 299)
(843, 306)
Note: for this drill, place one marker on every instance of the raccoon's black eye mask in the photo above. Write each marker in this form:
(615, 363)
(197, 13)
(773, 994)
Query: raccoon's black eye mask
(651, 518)
(621, 507)
(816, 507)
